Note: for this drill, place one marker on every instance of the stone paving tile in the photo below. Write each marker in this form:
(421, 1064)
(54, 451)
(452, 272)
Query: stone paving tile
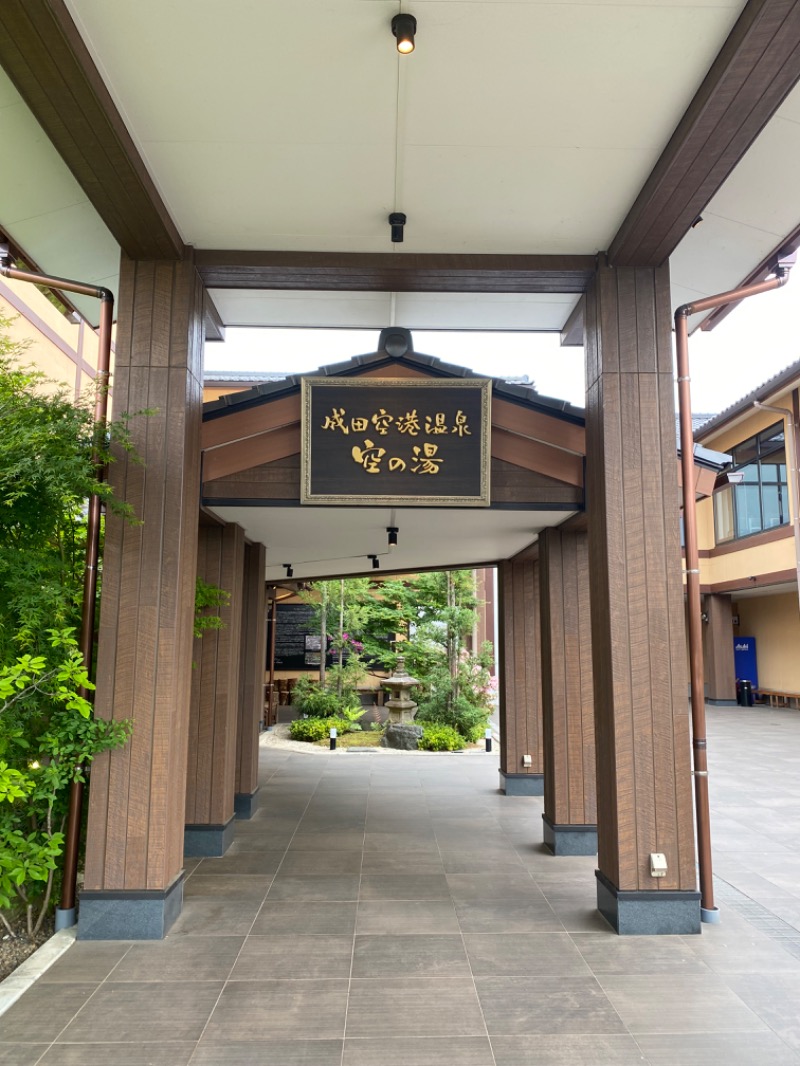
(319, 889)
(22, 1054)
(418, 1051)
(238, 862)
(282, 916)
(507, 916)
(172, 1053)
(775, 1000)
(523, 954)
(644, 955)
(403, 887)
(255, 1011)
(270, 1053)
(702, 1049)
(424, 916)
(276, 956)
(86, 961)
(43, 1012)
(410, 955)
(570, 1005)
(199, 958)
(158, 1010)
(326, 863)
(662, 1004)
(414, 1006)
(566, 1050)
(217, 916)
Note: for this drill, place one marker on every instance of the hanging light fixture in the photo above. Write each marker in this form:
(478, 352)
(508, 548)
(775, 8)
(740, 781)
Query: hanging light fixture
(392, 531)
(404, 27)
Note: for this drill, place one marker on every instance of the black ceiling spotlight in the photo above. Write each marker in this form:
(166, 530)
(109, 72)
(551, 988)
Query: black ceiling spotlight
(376, 563)
(392, 531)
(397, 220)
(404, 27)
(289, 570)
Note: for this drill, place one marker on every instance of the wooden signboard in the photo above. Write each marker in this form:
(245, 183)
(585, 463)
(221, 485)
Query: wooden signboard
(383, 441)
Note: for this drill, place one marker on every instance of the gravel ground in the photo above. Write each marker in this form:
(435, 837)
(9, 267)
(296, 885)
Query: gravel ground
(15, 950)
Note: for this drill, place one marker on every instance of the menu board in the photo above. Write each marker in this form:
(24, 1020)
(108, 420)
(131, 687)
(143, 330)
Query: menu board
(297, 638)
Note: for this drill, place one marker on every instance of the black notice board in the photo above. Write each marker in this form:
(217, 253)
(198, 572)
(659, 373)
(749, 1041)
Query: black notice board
(297, 638)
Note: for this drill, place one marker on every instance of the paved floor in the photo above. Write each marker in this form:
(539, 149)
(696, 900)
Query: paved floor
(389, 910)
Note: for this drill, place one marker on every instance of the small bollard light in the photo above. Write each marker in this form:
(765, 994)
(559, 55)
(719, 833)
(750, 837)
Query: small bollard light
(333, 738)
(488, 736)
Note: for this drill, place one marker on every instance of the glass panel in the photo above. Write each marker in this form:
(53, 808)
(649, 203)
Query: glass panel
(750, 474)
(747, 452)
(771, 438)
(723, 515)
(771, 498)
(773, 468)
(748, 510)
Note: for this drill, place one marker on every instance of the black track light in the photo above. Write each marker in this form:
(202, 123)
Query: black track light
(376, 563)
(289, 570)
(404, 27)
(392, 531)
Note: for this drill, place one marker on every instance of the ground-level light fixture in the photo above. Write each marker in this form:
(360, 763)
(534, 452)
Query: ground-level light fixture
(404, 27)
(392, 531)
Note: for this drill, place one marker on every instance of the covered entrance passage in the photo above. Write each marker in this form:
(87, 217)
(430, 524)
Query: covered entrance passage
(261, 196)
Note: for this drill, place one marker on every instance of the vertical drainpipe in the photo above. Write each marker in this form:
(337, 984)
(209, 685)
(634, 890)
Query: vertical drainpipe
(708, 911)
(65, 914)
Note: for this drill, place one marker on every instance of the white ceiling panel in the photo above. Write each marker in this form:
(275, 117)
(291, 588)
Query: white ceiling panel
(45, 211)
(425, 540)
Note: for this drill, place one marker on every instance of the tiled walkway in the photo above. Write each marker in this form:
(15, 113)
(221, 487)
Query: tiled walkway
(387, 910)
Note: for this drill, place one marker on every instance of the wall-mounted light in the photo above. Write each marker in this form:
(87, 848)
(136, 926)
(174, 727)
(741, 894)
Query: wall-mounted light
(404, 27)
(397, 221)
(376, 563)
(288, 568)
(392, 531)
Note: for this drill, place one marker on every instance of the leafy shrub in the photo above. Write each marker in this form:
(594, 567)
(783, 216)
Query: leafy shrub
(309, 729)
(314, 701)
(437, 736)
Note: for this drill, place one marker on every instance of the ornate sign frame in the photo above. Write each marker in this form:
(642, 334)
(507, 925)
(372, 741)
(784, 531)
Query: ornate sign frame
(453, 422)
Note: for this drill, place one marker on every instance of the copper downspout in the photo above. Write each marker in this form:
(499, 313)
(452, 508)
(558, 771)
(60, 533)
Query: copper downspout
(708, 912)
(65, 914)
(273, 625)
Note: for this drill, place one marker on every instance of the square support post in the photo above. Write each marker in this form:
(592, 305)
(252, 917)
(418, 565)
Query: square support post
(638, 635)
(570, 786)
(521, 754)
(252, 667)
(214, 715)
(133, 885)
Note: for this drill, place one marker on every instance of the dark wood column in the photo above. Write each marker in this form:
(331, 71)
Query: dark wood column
(133, 884)
(214, 714)
(720, 672)
(252, 667)
(638, 639)
(521, 755)
(570, 784)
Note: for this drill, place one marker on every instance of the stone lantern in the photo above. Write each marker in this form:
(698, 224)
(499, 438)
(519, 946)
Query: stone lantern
(401, 731)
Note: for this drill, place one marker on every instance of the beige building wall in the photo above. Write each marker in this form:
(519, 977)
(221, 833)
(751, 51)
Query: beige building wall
(775, 623)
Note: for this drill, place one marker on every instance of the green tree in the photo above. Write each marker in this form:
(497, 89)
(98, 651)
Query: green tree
(47, 732)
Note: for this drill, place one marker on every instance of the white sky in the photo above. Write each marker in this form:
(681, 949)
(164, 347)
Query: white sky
(755, 341)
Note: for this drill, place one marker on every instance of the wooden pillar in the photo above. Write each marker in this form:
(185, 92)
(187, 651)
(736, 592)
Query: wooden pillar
(638, 638)
(252, 663)
(134, 853)
(720, 672)
(214, 715)
(570, 784)
(521, 755)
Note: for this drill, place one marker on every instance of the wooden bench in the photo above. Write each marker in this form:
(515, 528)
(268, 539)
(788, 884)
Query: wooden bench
(776, 698)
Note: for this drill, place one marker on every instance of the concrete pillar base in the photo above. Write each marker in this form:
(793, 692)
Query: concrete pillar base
(208, 841)
(522, 784)
(118, 915)
(569, 839)
(245, 804)
(648, 913)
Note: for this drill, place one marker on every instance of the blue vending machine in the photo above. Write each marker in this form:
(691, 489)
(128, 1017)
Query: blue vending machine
(746, 667)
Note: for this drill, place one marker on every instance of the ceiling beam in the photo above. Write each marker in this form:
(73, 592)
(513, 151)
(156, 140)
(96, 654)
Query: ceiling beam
(45, 57)
(752, 75)
(398, 272)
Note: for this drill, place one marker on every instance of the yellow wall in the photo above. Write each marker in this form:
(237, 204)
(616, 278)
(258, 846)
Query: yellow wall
(69, 363)
(775, 623)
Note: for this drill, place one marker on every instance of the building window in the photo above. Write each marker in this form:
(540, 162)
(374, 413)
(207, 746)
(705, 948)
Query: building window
(759, 500)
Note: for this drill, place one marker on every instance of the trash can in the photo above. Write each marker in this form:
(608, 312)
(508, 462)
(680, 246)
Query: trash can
(745, 693)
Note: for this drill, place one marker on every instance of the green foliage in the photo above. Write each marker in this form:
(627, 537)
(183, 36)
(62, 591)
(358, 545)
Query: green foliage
(51, 459)
(208, 599)
(309, 729)
(437, 736)
(313, 700)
